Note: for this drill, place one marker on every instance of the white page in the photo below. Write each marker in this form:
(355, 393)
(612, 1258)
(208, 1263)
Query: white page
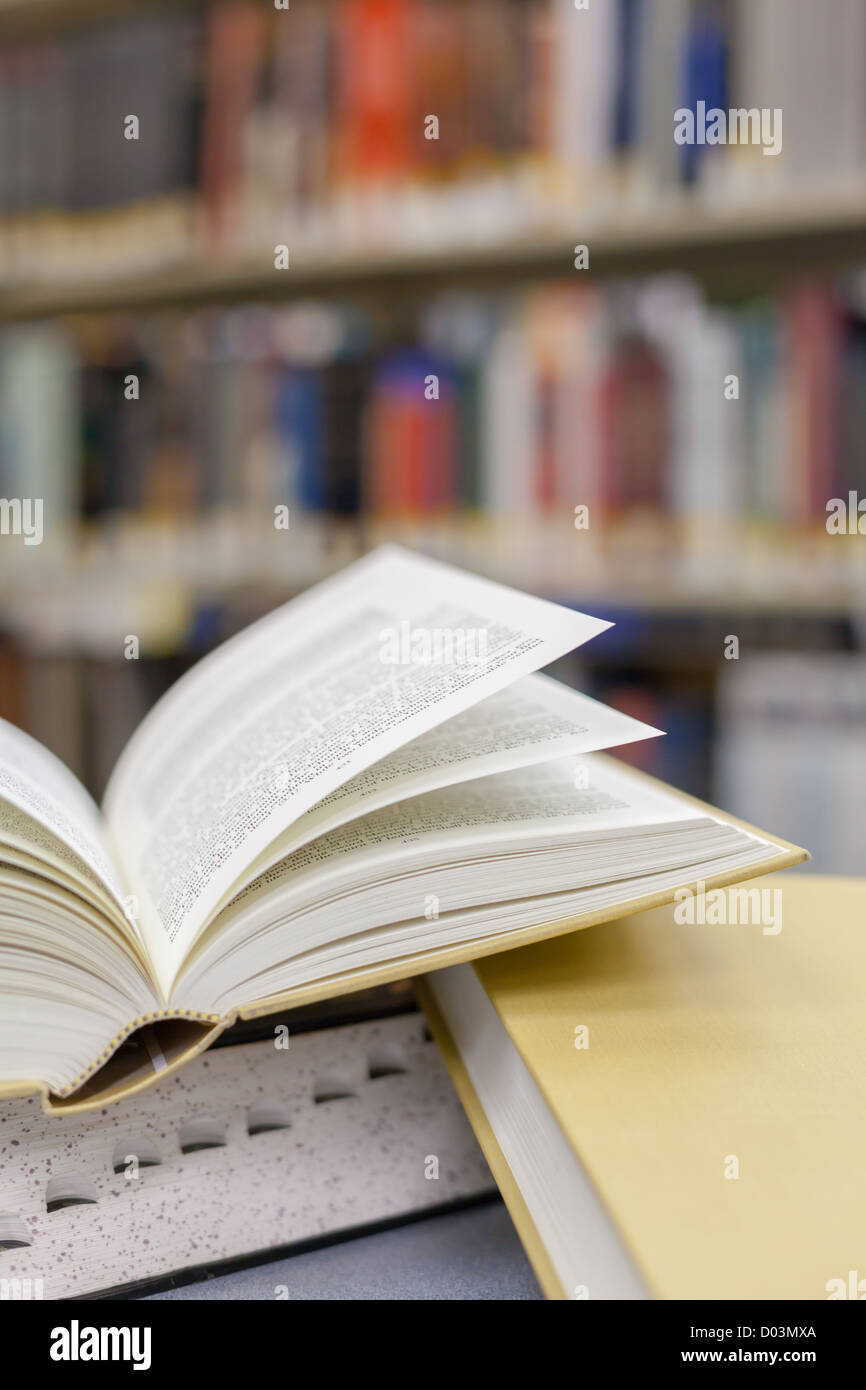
(545, 805)
(293, 707)
(573, 831)
(535, 720)
(41, 786)
(45, 851)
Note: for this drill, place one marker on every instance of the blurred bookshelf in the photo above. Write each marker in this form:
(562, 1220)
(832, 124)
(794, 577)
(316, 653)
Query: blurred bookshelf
(261, 128)
(731, 250)
(449, 260)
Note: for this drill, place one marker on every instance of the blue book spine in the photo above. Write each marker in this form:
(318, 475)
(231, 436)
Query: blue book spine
(705, 80)
(626, 113)
(300, 427)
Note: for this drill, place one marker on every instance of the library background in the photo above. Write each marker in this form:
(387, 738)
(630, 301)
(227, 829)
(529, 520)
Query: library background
(281, 283)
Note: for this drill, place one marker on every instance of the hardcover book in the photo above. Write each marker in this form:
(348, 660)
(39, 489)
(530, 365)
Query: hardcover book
(371, 781)
(673, 1104)
(251, 1151)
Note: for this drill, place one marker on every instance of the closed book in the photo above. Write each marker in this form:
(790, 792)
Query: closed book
(675, 1107)
(293, 1140)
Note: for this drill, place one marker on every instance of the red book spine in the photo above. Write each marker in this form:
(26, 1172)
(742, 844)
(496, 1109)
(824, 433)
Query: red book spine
(814, 335)
(374, 89)
(235, 52)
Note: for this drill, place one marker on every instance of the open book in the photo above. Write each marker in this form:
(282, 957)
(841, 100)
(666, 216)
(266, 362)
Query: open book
(370, 781)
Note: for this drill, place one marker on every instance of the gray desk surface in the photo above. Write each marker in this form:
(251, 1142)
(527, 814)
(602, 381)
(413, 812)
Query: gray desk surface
(470, 1254)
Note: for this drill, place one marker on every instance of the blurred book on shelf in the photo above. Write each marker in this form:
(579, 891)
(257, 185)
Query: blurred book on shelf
(398, 125)
(792, 742)
(635, 443)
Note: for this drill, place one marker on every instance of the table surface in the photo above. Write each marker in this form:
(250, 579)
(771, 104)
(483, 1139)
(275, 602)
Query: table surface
(470, 1254)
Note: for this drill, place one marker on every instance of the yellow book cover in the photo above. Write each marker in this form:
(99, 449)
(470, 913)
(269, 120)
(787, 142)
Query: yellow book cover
(674, 1106)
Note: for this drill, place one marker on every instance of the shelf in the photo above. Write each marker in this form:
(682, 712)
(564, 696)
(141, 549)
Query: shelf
(733, 250)
(153, 579)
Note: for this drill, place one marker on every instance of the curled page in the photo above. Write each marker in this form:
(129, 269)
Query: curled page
(292, 708)
(535, 720)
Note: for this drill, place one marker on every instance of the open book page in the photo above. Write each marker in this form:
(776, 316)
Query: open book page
(546, 804)
(567, 825)
(27, 844)
(535, 720)
(41, 788)
(293, 707)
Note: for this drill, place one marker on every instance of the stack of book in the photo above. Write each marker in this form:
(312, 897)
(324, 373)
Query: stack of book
(371, 781)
